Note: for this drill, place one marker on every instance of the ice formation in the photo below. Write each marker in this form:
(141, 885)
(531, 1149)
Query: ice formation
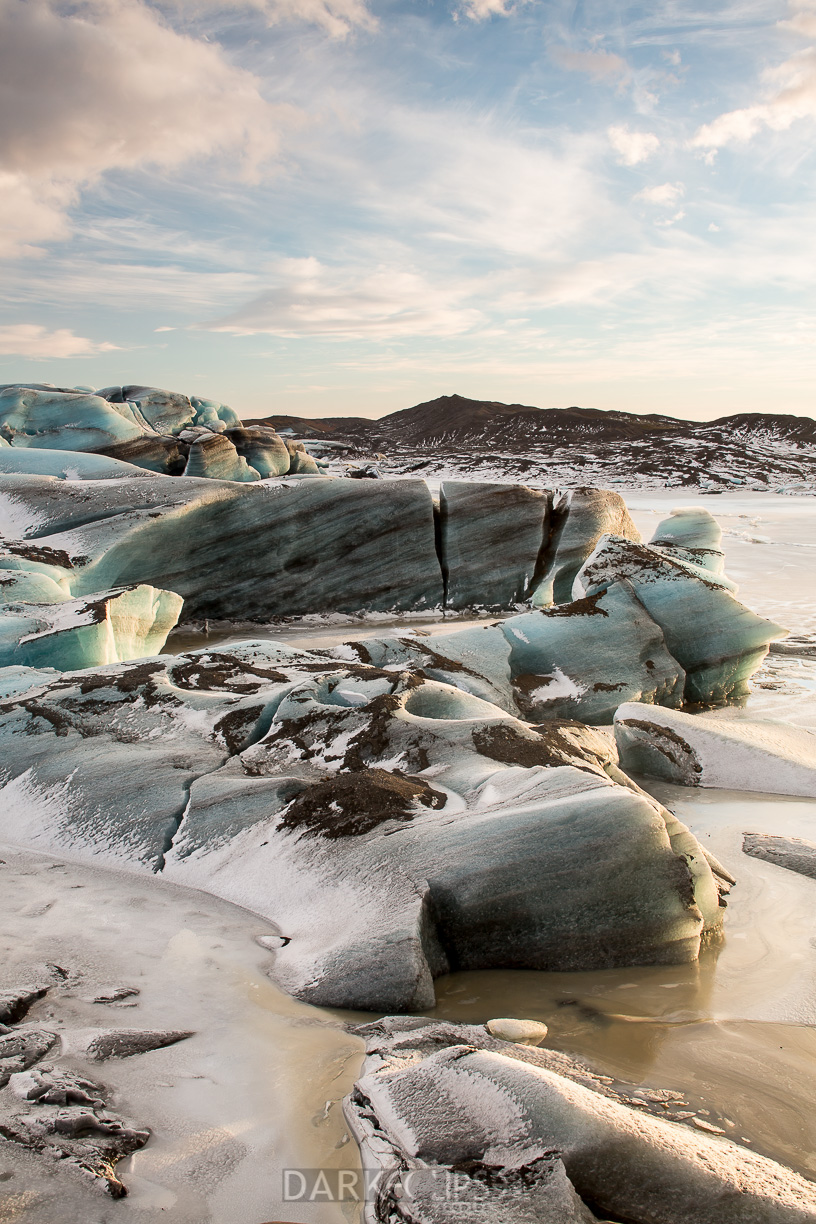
(529, 1134)
(735, 754)
(391, 826)
(406, 781)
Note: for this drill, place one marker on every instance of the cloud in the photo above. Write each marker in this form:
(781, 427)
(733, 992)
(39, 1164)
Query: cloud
(337, 17)
(476, 187)
(32, 340)
(31, 212)
(666, 193)
(803, 20)
(790, 94)
(481, 10)
(308, 298)
(632, 147)
(600, 65)
(106, 85)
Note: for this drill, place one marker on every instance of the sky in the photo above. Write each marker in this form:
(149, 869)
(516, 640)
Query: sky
(346, 207)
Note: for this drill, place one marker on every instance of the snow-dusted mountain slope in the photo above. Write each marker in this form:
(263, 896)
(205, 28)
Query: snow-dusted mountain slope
(456, 436)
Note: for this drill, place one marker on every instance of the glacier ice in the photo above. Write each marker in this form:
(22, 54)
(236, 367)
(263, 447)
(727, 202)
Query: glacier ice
(582, 659)
(491, 536)
(381, 820)
(578, 520)
(717, 641)
(518, 1133)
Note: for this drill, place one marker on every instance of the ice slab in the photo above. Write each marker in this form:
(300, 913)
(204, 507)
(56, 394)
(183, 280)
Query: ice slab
(490, 537)
(582, 659)
(579, 518)
(734, 754)
(716, 640)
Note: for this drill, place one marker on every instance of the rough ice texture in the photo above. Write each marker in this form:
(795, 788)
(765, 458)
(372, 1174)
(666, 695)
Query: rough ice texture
(64, 464)
(391, 826)
(582, 659)
(448, 1096)
(717, 641)
(263, 449)
(145, 427)
(41, 627)
(491, 536)
(793, 853)
(579, 518)
(250, 551)
(735, 754)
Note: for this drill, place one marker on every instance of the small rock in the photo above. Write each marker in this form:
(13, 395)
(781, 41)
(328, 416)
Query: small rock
(48, 1086)
(702, 1125)
(99, 1044)
(15, 1003)
(112, 994)
(19, 1050)
(522, 1032)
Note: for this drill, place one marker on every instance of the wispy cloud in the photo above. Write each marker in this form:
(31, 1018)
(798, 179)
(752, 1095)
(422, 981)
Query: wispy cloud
(632, 147)
(308, 298)
(789, 93)
(337, 17)
(482, 10)
(665, 193)
(33, 341)
(600, 65)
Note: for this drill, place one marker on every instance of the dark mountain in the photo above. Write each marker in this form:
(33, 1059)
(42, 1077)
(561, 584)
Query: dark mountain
(460, 436)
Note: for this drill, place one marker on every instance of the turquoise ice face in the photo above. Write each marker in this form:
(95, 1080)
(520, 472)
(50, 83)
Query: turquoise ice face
(71, 421)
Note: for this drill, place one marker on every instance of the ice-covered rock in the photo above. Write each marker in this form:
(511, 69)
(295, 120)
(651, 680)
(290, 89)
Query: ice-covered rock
(99, 1044)
(735, 754)
(438, 1098)
(211, 413)
(390, 827)
(63, 420)
(717, 641)
(476, 660)
(153, 452)
(582, 659)
(301, 462)
(263, 448)
(793, 853)
(212, 455)
(490, 538)
(165, 412)
(66, 464)
(578, 520)
(14, 680)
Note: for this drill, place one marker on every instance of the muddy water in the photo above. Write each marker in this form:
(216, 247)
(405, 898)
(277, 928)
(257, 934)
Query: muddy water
(257, 1089)
(734, 1033)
